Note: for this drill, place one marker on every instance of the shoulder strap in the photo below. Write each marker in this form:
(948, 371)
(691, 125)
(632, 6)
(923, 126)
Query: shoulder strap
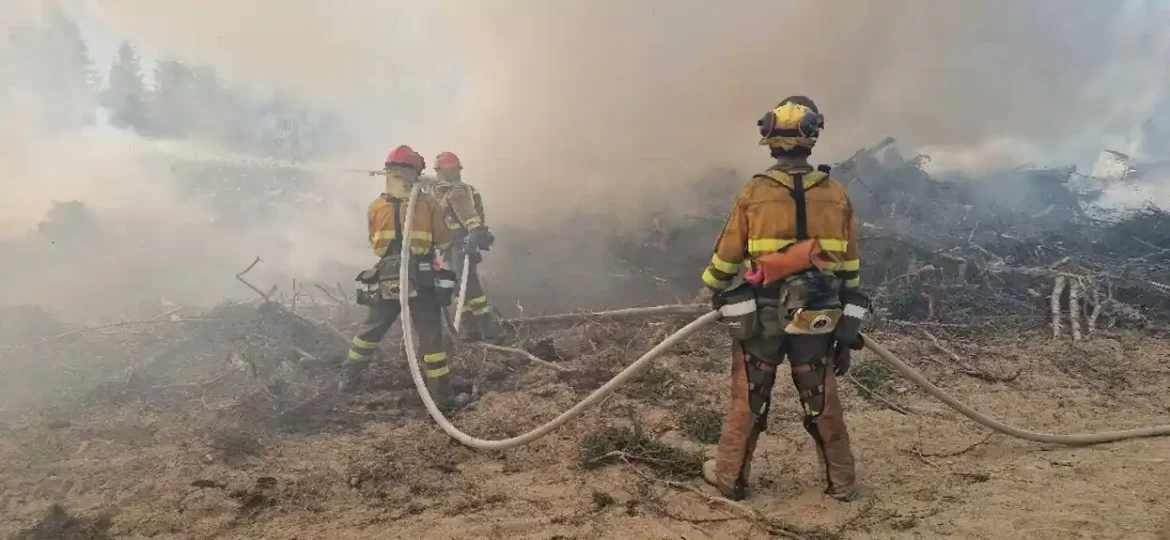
(398, 218)
(797, 184)
(479, 205)
(443, 194)
(797, 193)
(395, 246)
(811, 178)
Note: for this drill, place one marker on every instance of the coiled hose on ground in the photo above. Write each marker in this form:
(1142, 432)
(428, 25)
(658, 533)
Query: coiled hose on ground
(700, 323)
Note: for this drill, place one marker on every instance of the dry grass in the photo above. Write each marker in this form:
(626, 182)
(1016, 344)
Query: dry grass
(273, 453)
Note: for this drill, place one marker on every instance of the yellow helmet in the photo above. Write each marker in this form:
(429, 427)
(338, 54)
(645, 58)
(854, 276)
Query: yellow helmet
(794, 123)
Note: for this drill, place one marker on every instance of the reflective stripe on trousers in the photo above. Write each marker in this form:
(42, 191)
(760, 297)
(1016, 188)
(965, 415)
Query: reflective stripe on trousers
(428, 324)
(435, 365)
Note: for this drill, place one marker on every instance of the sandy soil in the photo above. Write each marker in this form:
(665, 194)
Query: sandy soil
(188, 462)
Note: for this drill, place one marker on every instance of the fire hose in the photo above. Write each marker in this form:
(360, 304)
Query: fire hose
(685, 332)
(462, 290)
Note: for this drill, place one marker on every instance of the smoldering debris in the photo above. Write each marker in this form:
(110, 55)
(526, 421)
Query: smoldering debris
(244, 361)
(232, 412)
(1023, 247)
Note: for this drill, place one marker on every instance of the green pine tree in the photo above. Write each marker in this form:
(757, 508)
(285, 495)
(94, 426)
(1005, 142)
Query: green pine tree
(125, 95)
(74, 54)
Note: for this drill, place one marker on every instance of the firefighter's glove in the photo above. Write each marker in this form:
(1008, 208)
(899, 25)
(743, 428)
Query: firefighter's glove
(842, 355)
(848, 332)
(481, 238)
(716, 300)
(474, 256)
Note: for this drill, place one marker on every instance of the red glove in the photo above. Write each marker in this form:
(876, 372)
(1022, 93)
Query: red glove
(755, 276)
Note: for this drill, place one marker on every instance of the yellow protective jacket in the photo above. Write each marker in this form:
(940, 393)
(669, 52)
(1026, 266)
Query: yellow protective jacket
(764, 219)
(429, 232)
(461, 204)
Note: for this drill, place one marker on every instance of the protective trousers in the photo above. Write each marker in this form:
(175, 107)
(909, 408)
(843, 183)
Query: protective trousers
(752, 379)
(427, 323)
(479, 321)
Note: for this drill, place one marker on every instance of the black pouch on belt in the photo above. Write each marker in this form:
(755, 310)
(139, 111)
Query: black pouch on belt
(740, 314)
(368, 277)
(422, 272)
(367, 287)
(444, 286)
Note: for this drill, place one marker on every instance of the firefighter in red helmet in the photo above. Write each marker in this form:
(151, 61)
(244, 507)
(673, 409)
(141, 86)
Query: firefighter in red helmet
(430, 283)
(462, 207)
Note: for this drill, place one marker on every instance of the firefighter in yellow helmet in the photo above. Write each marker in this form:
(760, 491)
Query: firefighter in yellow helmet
(792, 228)
(430, 284)
(463, 208)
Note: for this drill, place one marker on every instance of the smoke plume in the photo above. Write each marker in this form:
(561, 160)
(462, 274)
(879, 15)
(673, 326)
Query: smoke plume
(559, 107)
(564, 102)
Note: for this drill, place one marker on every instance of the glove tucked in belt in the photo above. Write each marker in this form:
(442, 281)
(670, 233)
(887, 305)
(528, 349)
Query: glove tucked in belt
(791, 260)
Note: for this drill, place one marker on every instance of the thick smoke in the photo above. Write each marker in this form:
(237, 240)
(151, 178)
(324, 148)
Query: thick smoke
(643, 94)
(94, 221)
(557, 107)
(376, 61)
(564, 102)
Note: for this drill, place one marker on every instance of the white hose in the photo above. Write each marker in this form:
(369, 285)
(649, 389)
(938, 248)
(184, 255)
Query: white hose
(483, 444)
(964, 409)
(700, 323)
(462, 291)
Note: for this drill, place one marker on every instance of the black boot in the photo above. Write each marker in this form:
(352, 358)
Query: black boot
(351, 374)
(442, 393)
(490, 329)
(469, 330)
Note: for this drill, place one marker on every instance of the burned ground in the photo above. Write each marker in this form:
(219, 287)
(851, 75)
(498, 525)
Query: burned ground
(230, 456)
(224, 422)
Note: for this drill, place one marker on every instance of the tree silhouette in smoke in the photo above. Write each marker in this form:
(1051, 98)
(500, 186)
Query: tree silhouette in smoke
(53, 60)
(125, 96)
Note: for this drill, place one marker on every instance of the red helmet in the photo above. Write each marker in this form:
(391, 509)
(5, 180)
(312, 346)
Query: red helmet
(447, 160)
(405, 156)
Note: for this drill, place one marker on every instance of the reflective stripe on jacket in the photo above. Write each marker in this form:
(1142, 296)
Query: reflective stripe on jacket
(429, 232)
(763, 220)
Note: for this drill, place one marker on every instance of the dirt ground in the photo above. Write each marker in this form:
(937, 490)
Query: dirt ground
(190, 460)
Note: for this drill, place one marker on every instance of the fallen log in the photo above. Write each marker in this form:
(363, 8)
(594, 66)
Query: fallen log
(629, 313)
(523, 354)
